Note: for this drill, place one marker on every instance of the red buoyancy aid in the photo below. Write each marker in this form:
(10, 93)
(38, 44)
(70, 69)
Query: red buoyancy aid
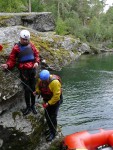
(44, 88)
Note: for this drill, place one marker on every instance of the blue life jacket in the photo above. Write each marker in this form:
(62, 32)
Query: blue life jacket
(26, 53)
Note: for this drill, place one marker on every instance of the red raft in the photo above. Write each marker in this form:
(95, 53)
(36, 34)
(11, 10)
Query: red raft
(97, 140)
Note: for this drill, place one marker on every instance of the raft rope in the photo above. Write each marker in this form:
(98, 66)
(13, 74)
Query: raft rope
(39, 104)
(19, 79)
(52, 123)
(33, 91)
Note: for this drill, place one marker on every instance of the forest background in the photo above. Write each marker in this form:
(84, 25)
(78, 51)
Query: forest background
(83, 19)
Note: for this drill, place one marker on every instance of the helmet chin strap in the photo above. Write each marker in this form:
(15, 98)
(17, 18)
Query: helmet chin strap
(24, 44)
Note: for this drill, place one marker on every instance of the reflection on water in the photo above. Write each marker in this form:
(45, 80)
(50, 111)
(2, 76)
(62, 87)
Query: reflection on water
(88, 94)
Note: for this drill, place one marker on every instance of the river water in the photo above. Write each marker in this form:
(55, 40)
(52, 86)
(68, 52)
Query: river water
(88, 94)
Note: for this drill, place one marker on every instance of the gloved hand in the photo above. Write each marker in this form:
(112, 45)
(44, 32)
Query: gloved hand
(34, 93)
(35, 65)
(4, 66)
(45, 105)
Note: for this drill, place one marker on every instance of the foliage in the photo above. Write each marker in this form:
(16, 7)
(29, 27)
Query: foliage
(13, 6)
(37, 6)
(61, 27)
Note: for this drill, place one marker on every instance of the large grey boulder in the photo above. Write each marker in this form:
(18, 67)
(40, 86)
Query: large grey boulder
(58, 51)
(42, 22)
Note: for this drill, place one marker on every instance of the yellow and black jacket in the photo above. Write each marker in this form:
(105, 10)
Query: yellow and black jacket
(50, 90)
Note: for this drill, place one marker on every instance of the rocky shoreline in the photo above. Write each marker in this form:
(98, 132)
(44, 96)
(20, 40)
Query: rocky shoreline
(18, 132)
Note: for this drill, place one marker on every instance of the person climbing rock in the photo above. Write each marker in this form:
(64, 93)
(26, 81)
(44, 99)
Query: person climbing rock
(25, 54)
(50, 88)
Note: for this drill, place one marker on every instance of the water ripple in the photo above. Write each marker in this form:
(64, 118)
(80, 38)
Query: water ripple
(88, 95)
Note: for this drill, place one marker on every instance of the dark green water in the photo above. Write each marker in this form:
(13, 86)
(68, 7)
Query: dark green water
(88, 94)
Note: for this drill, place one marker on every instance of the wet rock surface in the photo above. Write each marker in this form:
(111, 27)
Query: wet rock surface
(18, 132)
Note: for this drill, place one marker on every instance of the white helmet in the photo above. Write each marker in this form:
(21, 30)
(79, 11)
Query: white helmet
(25, 34)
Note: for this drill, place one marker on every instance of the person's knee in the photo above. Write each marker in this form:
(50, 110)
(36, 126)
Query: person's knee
(26, 89)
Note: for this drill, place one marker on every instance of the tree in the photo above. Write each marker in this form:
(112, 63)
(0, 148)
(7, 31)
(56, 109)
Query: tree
(12, 6)
(61, 27)
(29, 5)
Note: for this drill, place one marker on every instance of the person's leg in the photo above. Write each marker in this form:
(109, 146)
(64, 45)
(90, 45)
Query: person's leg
(27, 100)
(51, 117)
(32, 86)
(25, 78)
(33, 104)
(27, 96)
